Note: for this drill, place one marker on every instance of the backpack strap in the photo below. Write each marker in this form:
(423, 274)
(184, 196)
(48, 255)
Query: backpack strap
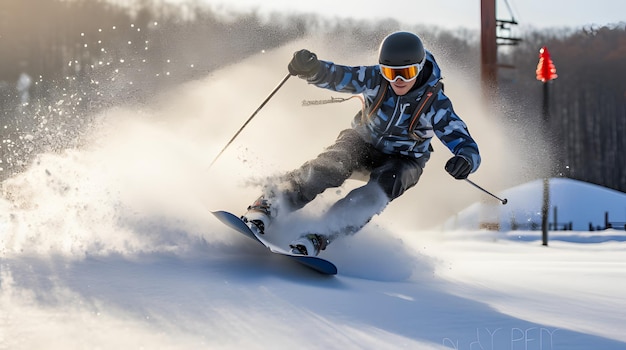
(376, 102)
(424, 105)
(427, 100)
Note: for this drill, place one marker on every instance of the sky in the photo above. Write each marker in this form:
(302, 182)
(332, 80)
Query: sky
(447, 13)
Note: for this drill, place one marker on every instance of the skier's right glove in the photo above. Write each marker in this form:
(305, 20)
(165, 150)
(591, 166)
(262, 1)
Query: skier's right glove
(304, 64)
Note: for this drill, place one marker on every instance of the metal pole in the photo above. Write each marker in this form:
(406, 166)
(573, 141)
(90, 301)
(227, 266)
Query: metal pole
(504, 201)
(488, 48)
(545, 207)
(252, 116)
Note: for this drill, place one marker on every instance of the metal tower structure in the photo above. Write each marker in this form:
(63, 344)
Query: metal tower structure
(494, 32)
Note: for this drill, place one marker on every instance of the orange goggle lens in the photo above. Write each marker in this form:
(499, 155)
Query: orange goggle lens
(406, 73)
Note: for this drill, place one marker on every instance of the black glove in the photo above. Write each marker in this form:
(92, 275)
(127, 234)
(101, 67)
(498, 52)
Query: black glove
(304, 64)
(458, 167)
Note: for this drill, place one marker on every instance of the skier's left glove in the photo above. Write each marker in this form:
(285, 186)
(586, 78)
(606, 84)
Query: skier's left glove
(458, 167)
(304, 64)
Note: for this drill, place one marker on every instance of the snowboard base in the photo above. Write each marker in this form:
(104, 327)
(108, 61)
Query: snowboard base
(313, 262)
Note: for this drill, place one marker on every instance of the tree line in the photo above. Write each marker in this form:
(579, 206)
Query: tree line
(586, 124)
(63, 60)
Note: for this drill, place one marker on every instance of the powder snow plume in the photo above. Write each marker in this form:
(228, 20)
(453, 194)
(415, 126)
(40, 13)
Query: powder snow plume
(142, 182)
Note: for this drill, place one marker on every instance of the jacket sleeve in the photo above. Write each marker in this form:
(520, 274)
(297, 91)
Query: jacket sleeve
(453, 132)
(335, 77)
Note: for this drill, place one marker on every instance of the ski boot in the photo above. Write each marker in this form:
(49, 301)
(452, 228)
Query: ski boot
(259, 215)
(309, 244)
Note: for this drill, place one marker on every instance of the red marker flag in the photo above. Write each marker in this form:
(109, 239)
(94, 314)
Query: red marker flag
(546, 70)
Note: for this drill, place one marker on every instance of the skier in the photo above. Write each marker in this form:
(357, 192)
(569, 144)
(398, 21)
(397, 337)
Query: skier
(389, 140)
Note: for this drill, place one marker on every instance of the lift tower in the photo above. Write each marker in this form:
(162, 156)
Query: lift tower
(493, 33)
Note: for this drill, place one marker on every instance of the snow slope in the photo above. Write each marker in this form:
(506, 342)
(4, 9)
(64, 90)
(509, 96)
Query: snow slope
(111, 247)
(579, 203)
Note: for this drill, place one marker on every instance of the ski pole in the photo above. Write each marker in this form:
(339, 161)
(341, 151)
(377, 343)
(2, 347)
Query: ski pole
(504, 201)
(249, 119)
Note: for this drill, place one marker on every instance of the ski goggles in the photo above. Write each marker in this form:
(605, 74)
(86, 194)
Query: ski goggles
(406, 73)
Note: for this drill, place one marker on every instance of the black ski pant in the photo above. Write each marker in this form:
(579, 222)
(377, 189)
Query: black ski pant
(389, 177)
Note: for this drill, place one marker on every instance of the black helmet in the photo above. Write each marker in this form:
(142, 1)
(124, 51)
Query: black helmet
(401, 49)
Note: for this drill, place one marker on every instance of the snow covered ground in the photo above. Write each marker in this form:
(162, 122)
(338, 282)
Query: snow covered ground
(111, 246)
(414, 290)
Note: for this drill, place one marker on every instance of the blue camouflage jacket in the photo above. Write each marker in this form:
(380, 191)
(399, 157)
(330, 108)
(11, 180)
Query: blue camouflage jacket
(388, 128)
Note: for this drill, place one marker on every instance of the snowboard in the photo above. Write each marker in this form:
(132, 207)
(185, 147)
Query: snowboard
(313, 262)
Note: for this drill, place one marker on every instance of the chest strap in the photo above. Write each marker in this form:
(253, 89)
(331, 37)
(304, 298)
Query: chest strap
(424, 105)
